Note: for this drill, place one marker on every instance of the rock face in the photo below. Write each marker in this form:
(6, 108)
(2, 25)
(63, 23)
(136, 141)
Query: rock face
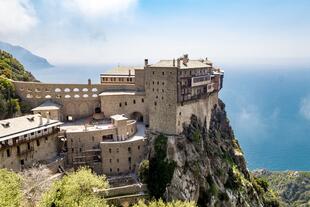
(210, 167)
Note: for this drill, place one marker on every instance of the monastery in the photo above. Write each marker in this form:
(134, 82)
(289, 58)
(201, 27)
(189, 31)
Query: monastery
(104, 125)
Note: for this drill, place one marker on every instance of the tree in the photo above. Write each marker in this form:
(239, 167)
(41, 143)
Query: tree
(160, 203)
(77, 189)
(144, 171)
(10, 189)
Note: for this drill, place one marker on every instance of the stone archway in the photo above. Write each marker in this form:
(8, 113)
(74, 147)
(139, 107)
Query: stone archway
(137, 116)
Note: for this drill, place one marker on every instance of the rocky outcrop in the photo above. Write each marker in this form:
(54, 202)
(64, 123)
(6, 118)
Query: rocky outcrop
(209, 166)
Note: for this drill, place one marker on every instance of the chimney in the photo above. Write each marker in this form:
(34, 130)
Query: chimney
(89, 81)
(146, 62)
(48, 117)
(41, 120)
(178, 62)
(173, 62)
(185, 59)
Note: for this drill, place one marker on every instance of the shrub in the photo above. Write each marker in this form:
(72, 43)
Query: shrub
(10, 189)
(76, 190)
(144, 171)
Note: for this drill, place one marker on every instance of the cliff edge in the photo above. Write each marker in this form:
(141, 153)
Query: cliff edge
(204, 165)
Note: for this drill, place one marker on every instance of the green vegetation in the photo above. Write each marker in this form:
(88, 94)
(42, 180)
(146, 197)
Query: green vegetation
(10, 189)
(11, 69)
(143, 171)
(160, 169)
(77, 189)
(161, 203)
(293, 187)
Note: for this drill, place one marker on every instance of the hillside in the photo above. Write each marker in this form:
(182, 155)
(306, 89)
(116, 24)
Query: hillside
(293, 187)
(10, 68)
(28, 59)
(203, 165)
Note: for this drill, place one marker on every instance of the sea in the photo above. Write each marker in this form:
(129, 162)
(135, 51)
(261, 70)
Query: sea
(268, 108)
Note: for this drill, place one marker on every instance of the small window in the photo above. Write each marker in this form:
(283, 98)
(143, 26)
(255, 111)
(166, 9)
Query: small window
(163, 83)
(38, 142)
(153, 82)
(134, 101)
(120, 104)
(153, 72)
(117, 169)
(129, 159)
(110, 160)
(110, 169)
(32, 133)
(28, 146)
(117, 160)
(117, 150)
(8, 153)
(163, 73)
(129, 149)
(162, 90)
(142, 100)
(18, 149)
(155, 103)
(138, 147)
(125, 103)
(110, 150)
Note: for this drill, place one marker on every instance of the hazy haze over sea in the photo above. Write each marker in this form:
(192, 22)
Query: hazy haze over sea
(269, 110)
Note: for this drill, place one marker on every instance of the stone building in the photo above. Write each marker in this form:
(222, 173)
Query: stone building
(104, 123)
(27, 140)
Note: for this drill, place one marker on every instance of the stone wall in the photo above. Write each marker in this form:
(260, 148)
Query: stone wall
(161, 93)
(124, 104)
(202, 108)
(81, 141)
(124, 190)
(77, 100)
(32, 151)
(121, 157)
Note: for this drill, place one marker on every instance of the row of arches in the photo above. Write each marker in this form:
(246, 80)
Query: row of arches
(58, 90)
(66, 96)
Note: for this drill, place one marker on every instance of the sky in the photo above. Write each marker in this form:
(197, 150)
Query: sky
(127, 31)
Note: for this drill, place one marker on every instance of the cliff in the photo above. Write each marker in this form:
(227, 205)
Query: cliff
(204, 165)
(293, 187)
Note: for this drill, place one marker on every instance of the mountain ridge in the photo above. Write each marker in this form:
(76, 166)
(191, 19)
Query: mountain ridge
(26, 57)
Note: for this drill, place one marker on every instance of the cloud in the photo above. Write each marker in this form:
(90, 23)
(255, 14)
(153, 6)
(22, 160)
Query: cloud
(16, 17)
(101, 8)
(304, 109)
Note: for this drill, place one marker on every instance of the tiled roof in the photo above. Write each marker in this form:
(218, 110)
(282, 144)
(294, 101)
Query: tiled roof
(120, 70)
(47, 105)
(23, 124)
(188, 65)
